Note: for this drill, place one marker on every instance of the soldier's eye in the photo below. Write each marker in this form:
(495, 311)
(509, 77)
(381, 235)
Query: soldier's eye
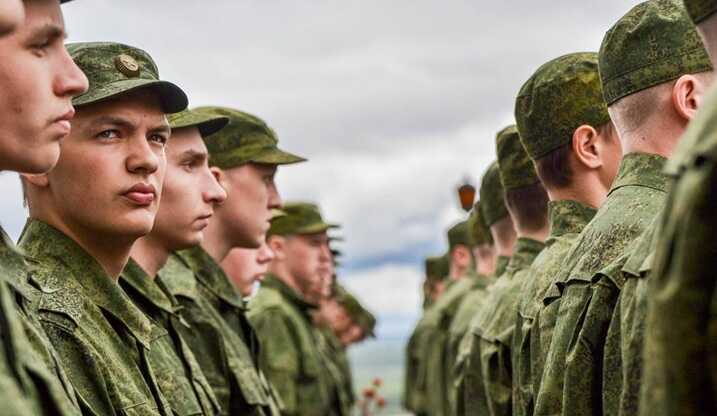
(108, 134)
(159, 139)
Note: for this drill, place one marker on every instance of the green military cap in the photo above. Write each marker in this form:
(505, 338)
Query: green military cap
(276, 213)
(358, 313)
(247, 139)
(700, 10)
(477, 228)
(458, 235)
(206, 123)
(367, 321)
(516, 168)
(653, 43)
(562, 95)
(300, 218)
(492, 196)
(437, 267)
(114, 69)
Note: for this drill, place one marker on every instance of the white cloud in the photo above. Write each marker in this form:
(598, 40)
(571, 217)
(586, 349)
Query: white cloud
(388, 290)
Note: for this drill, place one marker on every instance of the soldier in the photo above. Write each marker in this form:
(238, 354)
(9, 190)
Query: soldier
(32, 379)
(468, 365)
(244, 158)
(653, 71)
(566, 130)
(437, 320)
(527, 204)
(82, 226)
(189, 195)
(414, 394)
(484, 254)
(281, 310)
(679, 350)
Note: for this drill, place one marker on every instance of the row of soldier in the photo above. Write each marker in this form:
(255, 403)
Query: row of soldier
(590, 289)
(114, 304)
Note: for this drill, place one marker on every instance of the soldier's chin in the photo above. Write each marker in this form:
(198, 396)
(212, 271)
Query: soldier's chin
(137, 223)
(37, 161)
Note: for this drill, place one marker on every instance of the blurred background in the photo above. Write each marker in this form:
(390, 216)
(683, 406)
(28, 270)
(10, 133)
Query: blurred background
(394, 103)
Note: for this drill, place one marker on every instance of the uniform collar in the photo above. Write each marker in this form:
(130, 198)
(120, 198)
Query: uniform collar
(133, 275)
(568, 217)
(14, 270)
(46, 245)
(501, 264)
(526, 250)
(641, 169)
(211, 275)
(272, 281)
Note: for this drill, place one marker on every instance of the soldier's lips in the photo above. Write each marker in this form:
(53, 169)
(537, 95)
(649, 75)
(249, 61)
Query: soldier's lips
(141, 194)
(63, 122)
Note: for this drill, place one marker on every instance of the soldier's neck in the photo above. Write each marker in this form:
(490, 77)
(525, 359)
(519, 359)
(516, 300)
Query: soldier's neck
(150, 254)
(215, 243)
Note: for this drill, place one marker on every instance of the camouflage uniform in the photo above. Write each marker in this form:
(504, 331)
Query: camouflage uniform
(339, 369)
(219, 333)
(562, 95)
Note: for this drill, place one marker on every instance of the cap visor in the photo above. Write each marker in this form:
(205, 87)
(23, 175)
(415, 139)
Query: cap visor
(172, 98)
(276, 156)
(209, 127)
(315, 228)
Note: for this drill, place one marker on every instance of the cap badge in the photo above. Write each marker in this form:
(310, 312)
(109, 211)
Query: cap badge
(127, 65)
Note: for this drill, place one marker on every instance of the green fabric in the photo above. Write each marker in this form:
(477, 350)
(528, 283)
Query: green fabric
(414, 395)
(335, 364)
(458, 235)
(32, 380)
(681, 329)
(206, 123)
(434, 268)
(300, 218)
(653, 43)
(246, 139)
(437, 324)
(291, 358)
(571, 378)
(219, 333)
(358, 313)
(567, 219)
(700, 10)
(516, 168)
(179, 376)
(559, 97)
(113, 69)
(106, 361)
(477, 228)
(492, 196)
(495, 324)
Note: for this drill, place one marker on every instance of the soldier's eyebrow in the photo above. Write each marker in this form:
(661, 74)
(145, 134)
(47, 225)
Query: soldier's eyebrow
(47, 31)
(193, 155)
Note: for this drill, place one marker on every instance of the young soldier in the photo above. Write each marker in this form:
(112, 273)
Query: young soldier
(679, 350)
(85, 215)
(484, 254)
(189, 195)
(437, 320)
(527, 205)
(566, 130)
(248, 266)
(652, 67)
(244, 157)
(42, 87)
(468, 365)
(281, 310)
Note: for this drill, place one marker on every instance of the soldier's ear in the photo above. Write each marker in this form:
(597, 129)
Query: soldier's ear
(586, 147)
(688, 93)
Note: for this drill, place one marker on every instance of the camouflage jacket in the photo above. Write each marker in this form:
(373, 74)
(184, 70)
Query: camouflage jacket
(338, 370)
(567, 220)
(219, 333)
(33, 380)
(291, 358)
(101, 337)
(494, 332)
(178, 373)
(572, 377)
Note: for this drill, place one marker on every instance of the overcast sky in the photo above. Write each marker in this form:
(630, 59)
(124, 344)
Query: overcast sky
(394, 103)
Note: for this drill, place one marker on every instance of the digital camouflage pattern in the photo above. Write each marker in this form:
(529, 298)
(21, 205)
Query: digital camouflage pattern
(290, 358)
(219, 333)
(572, 373)
(32, 380)
(101, 338)
(567, 219)
(246, 139)
(300, 218)
(206, 123)
(477, 228)
(680, 376)
(559, 97)
(492, 196)
(700, 10)
(436, 325)
(178, 373)
(653, 43)
(622, 369)
(516, 168)
(113, 69)
(495, 334)
(459, 235)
